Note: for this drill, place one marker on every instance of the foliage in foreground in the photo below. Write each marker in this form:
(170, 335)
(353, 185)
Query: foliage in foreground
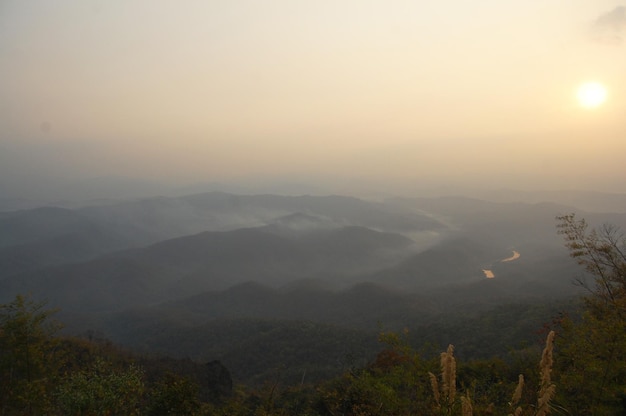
(591, 364)
(44, 374)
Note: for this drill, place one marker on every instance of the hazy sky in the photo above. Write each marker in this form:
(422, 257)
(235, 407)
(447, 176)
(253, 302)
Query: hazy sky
(451, 91)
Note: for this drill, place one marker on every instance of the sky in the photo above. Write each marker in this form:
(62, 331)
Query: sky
(479, 93)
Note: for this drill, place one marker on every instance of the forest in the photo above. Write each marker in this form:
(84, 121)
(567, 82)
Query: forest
(312, 208)
(574, 363)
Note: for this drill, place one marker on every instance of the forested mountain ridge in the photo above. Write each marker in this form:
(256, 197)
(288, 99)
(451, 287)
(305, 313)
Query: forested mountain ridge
(31, 239)
(208, 326)
(437, 246)
(301, 292)
(185, 266)
(340, 265)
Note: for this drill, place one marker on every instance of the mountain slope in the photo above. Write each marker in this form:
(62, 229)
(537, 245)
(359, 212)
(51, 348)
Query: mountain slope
(211, 260)
(32, 239)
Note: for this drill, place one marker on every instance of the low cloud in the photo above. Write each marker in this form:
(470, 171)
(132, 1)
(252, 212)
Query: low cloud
(610, 28)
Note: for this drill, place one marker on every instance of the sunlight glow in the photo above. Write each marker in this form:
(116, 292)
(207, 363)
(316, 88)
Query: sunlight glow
(591, 94)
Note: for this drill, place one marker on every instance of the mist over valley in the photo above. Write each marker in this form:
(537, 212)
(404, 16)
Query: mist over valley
(188, 276)
(236, 208)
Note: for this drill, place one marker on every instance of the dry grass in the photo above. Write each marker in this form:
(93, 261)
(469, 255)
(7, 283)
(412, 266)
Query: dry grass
(445, 396)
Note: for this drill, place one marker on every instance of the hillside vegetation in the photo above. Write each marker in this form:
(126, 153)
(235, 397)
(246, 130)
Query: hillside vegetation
(287, 297)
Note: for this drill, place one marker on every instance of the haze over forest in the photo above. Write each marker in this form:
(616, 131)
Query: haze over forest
(107, 99)
(265, 189)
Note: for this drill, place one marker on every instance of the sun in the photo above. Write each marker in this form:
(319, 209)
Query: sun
(591, 94)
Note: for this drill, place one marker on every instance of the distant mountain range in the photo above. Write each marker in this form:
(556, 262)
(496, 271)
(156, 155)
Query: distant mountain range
(112, 257)
(185, 266)
(146, 272)
(31, 239)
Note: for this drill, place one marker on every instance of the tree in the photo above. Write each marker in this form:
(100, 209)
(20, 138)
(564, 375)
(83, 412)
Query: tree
(393, 384)
(27, 365)
(603, 255)
(174, 395)
(592, 350)
(101, 390)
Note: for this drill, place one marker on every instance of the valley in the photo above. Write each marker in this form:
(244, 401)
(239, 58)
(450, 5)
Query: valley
(182, 276)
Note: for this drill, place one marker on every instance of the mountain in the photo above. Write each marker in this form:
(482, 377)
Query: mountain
(315, 241)
(257, 350)
(261, 333)
(32, 239)
(21, 227)
(361, 305)
(217, 211)
(258, 331)
(214, 276)
(210, 260)
(589, 201)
